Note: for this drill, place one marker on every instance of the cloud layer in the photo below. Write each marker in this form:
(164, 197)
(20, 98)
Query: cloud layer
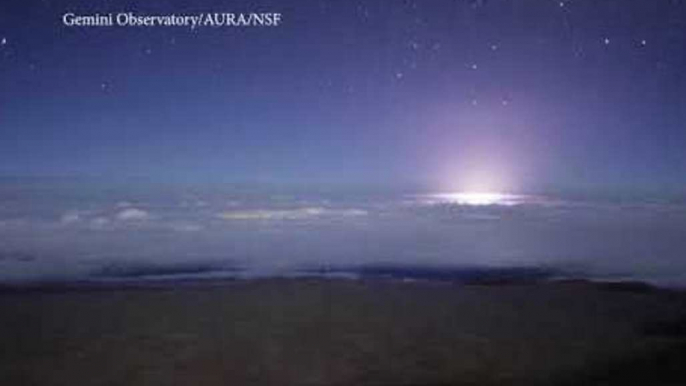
(270, 232)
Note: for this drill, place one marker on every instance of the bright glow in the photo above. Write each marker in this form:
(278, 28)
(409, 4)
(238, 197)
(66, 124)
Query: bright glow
(479, 198)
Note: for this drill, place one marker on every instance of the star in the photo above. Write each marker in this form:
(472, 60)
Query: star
(3, 41)
(399, 75)
(562, 4)
(606, 41)
(494, 47)
(644, 42)
(474, 66)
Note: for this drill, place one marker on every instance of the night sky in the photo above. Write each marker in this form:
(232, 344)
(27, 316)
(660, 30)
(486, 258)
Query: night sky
(482, 95)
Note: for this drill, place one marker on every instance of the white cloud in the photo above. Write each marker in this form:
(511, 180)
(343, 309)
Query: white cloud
(70, 218)
(99, 222)
(273, 214)
(352, 212)
(290, 214)
(132, 214)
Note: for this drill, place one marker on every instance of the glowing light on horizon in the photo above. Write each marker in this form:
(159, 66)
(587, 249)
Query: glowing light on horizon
(479, 198)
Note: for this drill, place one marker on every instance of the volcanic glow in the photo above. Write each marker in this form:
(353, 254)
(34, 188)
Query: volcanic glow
(480, 186)
(479, 198)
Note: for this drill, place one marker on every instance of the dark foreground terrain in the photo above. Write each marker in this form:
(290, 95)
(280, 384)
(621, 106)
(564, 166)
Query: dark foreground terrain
(340, 332)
